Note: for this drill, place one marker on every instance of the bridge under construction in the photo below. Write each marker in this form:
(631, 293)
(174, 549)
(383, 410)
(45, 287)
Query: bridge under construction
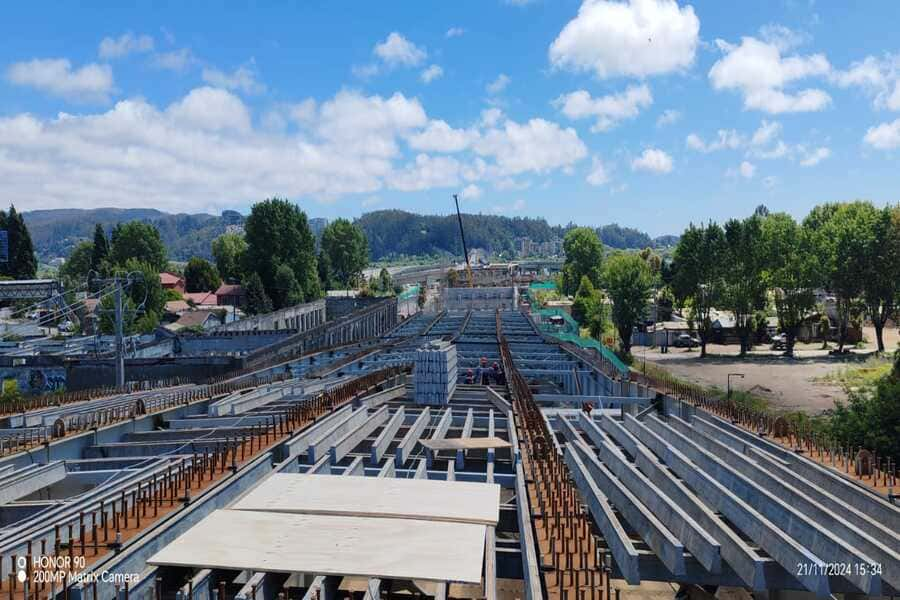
(530, 469)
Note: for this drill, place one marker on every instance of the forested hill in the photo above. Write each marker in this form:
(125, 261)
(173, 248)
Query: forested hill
(391, 233)
(56, 232)
(397, 233)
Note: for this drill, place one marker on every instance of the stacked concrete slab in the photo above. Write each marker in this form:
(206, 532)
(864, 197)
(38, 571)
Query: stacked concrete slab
(435, 373)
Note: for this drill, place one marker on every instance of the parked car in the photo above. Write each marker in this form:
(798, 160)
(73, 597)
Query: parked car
(66, 327)
(779, 342)
(686, 341)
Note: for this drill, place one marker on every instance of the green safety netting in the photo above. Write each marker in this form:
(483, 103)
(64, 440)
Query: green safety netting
(569, 330)
(409, 293)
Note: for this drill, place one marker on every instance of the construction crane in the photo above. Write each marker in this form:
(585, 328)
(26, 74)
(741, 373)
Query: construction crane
(462, 234)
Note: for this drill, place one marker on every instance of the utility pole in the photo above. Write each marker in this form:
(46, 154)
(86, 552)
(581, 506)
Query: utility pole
(120, 338)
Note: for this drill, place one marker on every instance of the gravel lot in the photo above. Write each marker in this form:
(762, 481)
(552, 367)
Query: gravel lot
(786, 382)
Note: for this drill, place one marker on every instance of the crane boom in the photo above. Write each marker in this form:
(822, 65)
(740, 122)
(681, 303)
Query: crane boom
(462, 234)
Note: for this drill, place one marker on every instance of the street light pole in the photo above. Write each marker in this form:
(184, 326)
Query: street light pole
(728, 378)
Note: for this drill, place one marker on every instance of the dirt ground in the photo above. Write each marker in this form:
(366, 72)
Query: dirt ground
(790, 383)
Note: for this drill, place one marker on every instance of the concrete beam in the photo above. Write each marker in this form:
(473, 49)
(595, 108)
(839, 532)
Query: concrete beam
(440, 432)
(781, 511)
(409, 441)
(353, 438)
(301, 442)
(779, 484)
(620, 546)
(466, 433)
(29, 480)
(770, 537)
(384, 439)
(530, 571)
(388, 470)
(421, 470)
(357, 468)
(323, 588)
(322, 444)
(690, 533)
(747, 564)
(651, 529)
(490, 563)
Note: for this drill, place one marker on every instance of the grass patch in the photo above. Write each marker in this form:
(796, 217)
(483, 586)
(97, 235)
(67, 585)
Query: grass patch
(859, 376)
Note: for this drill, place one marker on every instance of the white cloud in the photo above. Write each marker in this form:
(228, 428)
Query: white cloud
(668, 117)
(747, 169)
(438, 136)
(815, 157)
(783, 38)
(598, 174)
(125, 44)
(211, 109)
(491, 116)
(538, 145)
(207, 151)
(431, 73)
(879, 77)
(454, 32)
(499, 84)
(727, 139)
(396, 50)
(470, 192)
(653, 160)
(759, 71)
(176, 60)
(768, 131)
(243, 79)
(608, 110)
(90, 83)
(635, 38)
(426, 172)
(885, 136)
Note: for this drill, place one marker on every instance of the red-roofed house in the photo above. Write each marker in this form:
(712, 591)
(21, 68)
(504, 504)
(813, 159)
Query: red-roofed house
(230, 294)
(201, 298)
(170, 281)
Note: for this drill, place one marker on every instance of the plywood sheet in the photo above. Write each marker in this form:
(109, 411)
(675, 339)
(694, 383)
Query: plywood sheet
(479, 443)
(436, 500)
(330, 545)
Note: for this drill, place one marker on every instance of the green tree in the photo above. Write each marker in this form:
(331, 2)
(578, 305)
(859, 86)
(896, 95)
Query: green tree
(258, 301)
(108, 315)
(790, 273)
(201, 276)
(326, 275)
(843, 238)
(287, 291)
(347, 250)
(745, 290)
(228, 250)
(584, 256)
(697, 275)
(146, 290)
(588, 308)
(99, 250)
(74, 272)
(277, 233)
(385, 281)
(629, 281)
(140, 241)
(422, 298)
(871, 417)
(22, 262)
(881, 283)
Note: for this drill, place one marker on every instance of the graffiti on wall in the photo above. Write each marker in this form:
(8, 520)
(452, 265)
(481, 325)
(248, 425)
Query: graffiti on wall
(33, 380)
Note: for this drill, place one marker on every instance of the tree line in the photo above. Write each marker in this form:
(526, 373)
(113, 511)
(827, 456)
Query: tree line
(275, 261)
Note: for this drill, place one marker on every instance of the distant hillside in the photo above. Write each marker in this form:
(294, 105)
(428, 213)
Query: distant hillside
(56, 232)
(391, 233)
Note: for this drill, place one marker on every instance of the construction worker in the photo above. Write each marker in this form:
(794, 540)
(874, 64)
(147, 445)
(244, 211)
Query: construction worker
(483, 374)
(470, 376)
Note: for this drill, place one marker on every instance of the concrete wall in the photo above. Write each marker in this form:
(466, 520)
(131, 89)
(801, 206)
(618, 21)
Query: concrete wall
(301, 317)
(481, 298)
(91, 373)
(338, 307)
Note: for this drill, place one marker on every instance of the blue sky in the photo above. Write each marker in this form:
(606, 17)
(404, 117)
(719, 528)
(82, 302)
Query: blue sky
(648, 113)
